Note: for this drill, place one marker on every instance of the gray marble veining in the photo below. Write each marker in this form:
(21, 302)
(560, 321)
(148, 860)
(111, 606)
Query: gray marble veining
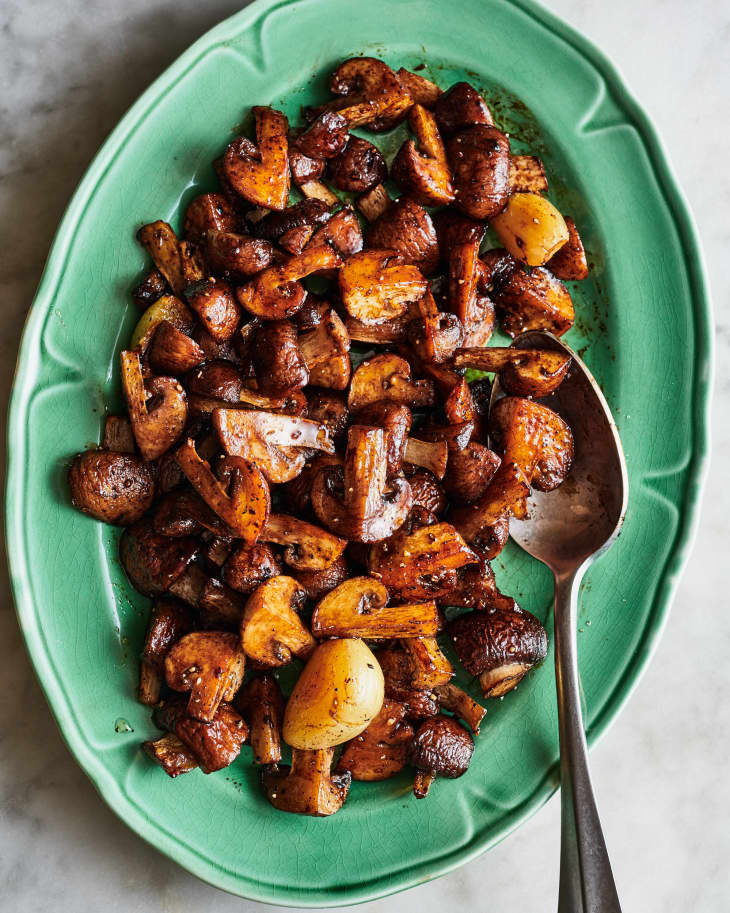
(67, 73)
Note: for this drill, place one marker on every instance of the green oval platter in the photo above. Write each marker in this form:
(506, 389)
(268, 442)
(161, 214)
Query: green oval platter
(643, 327)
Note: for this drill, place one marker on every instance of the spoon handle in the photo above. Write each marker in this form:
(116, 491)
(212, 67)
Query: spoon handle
(586, 880)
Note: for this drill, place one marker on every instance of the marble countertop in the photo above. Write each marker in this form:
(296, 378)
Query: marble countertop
(65, 79)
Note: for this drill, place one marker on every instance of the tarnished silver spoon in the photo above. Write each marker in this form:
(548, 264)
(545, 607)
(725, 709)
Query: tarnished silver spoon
(567, 529)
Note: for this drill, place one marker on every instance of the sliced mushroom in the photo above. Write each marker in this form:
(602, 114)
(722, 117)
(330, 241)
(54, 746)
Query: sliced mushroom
(421, 564)
(328, 339)
(374, 203)
(217, 379)
(358, 502)
(527, 174)
(154, 562)
(316, 190)
(373, 93)
(208, 664)
(303, 169)
(272, 442)
(276, 293)
(325, 137)
(437, 335)
(483, 523)
(171, 754)
(422, 90)
(470, 472)
(240, 495)
(333, 374)
(342, 232)
(152, 287)
(109, 486)
(308, 787)
(319, 583)
(429, 667)
(462, 705)
(570, 261)
(522, 372)
(420, 167)
(214, 745)
(454, 228)
(395, 420)
(158, 410)
(406, 227)
(358, 167)
(535, 300)
(118, 435)
(278, 359)
(261, 703)
(250, 565)
(537, 439)
(329, 409)
(381, 751)
(308, 547)
(172, 351)
(214, 303)
(460, 107)
(388, 377)
(208, 212)
(479, 161)
(161, 243)
(431, 455)
(377, 285)
(440, 747)
(261, 175)
(499, 646)
(358, 608)
(465, 293)
(237, 256)
(271, 629)
(170, 620)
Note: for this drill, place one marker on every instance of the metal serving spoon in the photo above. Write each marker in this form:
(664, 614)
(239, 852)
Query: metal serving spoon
(567, 529)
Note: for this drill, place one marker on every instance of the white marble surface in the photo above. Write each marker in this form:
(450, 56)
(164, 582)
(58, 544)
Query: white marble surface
(67, 73)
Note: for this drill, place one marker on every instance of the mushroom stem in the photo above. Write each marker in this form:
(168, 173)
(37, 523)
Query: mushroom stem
(432, 455)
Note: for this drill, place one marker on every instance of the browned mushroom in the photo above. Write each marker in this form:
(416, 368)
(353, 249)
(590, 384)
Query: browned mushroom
(170, 620)
(208, 212)
(113, 487)
(342, 232)
(278, 359)
(420, 564)
(374, 203)
(358, 167)
(522, 372)
(358, 608)
(154, 562)
(398, 675)
(276, 293)
(316, 190)
(240, 495)
(431, 455)
(182, 512)
(304, 169)
(333, 374)
(325, 137)
(214, 303)
(218, 605)
(395, 420)
(377, 285)
(426, 491)
(308, 547)
(272, 442)
(158, 409)
(436, 335)
(466, 294)
(208, 664)
(479, 161)
(271, 629)
(388, 377)
(329, 409)
(261, 703)
(261, 174)
(460, 107)
(171, 258)
(118, 435)
(150, 289)
(422, 90)
(328, 339)
(172, 351)
(373, 94)
(420, 167)
(527, 174)
(214, 745)
(429, 667)
(535, 300)
(454, 228)
(477, 589)
(459, 405)
(358, 501)
(381, 751)
(319, 583)
(570, 261)
(216, 379)
(462, 705)
(537, 439)
(248, 566)
(469, 472)
(442, 747)
(307, 213)
(171, 754)
(308, 787)
(237, 256)
(499, 646)
(406, 227)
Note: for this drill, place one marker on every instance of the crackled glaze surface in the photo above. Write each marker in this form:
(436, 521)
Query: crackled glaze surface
(79, 615)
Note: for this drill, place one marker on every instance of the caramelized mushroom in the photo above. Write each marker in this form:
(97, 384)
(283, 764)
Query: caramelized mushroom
(161, 243)
(395, 420)
(171, 754)
(483, 523)
(271, 629)
(261, 175)
(172, 351)
(570, 261)
(373, 94)
(152, 287)
(406, 227)
(112, 487)
(460, 107)
(479, 161)
(278, 360)
(237, 256)
(154, 562)
(325, 137)
(522, 372)
(420, 167)
(261, 704)
(358, 167)
(158, 410)
(535, 300)
(170, 620)
(429, 666)
(304, 169)
(342, 232)
(208, 664)
(388, 377)
(307, 213)
(422, 90)
(330, 410)
(118, 435)
(328, 339)
(208, 212)
(319, 583)
(431, 455)
(441, 746)
(374, 203)
(398, 675)
(458, 702)
(250, 565)
(474, 310)
(217, 379)
(499, 646)
(469, 472)
(308, 787)
(214, 745)
(381, 751)
(426, 491)
(377, 285)
(308, 547)
(453, 228)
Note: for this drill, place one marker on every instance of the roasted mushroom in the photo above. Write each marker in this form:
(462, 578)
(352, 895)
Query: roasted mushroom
(152, 287)
(278, 361)
(325, 137)
(462, 705)
(261, 703)
(172, 755)
(570, 260)
(373, 94)
(271, 629)
(535, 300)
(429, 667)
(157, 409)
(440, 747)
(308, 787)
(479, 161)
(110, 486)
(381, 751)
(522, 372)
(169, 621)
(462, 106)
(420, 167)
(500, 646)
(214, 745)
(406, 228)
(248, 566)
(208, 212)
(260, 174)
(308, 547)
(172, 351)
(154, 562)
(237, 256)
(395, 419)
(208, 664)
(377, 285)
(358, 167)
(319, 583)
(388, 377)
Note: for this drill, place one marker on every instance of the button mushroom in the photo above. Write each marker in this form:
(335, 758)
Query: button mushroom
(373, 94)
(461, 106)
(420, 167)
(388, 377)
(110, 486)
(442, 747)
(214, 303)
(308, 547)
(170, 620)
(213, 745)
(248, 566)
(308, 787)
(377, 285)
(467, 294)
(261, 174)
(406, 228)
(208, 664)
(570, 261)
(157, 409)
(429, 667)
(381, 750)
(261, 704)
(479, 161)
(271, 629)
(237, 256)
(154, 562)
(172, 351)
(535, 300)
(522, 372)
(208, 212)
(462, 705)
